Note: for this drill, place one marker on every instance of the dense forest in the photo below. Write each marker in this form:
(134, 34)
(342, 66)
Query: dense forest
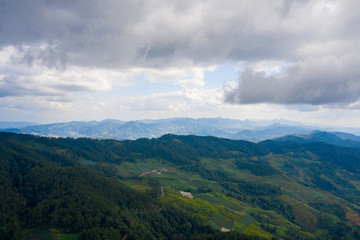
(97, 189)
(42, 187)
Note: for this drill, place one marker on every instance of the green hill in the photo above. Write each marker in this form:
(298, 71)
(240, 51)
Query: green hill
(107, 189)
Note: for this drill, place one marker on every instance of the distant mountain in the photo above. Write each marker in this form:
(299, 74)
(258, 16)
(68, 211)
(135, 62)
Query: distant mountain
(271, 131)
(336, 138)
(7, 125)
(219, 127)
(347, 136)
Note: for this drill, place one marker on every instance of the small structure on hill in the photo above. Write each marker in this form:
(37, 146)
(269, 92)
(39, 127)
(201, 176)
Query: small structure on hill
(186, 194)
(157, 171)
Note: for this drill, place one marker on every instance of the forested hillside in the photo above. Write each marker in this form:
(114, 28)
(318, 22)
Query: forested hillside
(177, 187)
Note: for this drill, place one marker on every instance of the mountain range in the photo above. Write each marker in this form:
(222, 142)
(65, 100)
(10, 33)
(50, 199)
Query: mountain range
(114, 129)
(250, 130)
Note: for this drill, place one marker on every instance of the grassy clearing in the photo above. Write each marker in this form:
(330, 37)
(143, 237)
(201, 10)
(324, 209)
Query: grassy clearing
(304, 216)
(254, 229)
(219, 198)
(218, 222)
(247, 220)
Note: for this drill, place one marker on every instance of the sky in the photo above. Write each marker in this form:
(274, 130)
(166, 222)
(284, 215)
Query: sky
(150, 59)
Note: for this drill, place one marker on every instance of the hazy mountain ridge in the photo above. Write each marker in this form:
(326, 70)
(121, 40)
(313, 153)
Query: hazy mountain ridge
(219, 127)
(8, 124)
(336, 138)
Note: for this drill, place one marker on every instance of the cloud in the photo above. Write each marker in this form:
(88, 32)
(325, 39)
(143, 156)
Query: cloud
(192, 97)
(110, 34)
(317, 81)
(293, 51)
(23, 79)
(28, 104)
(174, 74)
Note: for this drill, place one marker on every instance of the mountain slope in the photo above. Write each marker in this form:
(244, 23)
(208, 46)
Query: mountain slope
(273, 189)
(45, 189)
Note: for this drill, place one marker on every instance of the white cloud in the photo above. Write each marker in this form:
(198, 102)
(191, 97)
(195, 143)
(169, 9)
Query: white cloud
(22, 79)
(174, 74)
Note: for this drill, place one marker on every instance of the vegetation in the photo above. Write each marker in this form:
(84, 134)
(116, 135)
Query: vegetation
(94, 189)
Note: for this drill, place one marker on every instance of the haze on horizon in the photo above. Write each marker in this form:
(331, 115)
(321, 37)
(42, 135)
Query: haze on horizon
(128, 60)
